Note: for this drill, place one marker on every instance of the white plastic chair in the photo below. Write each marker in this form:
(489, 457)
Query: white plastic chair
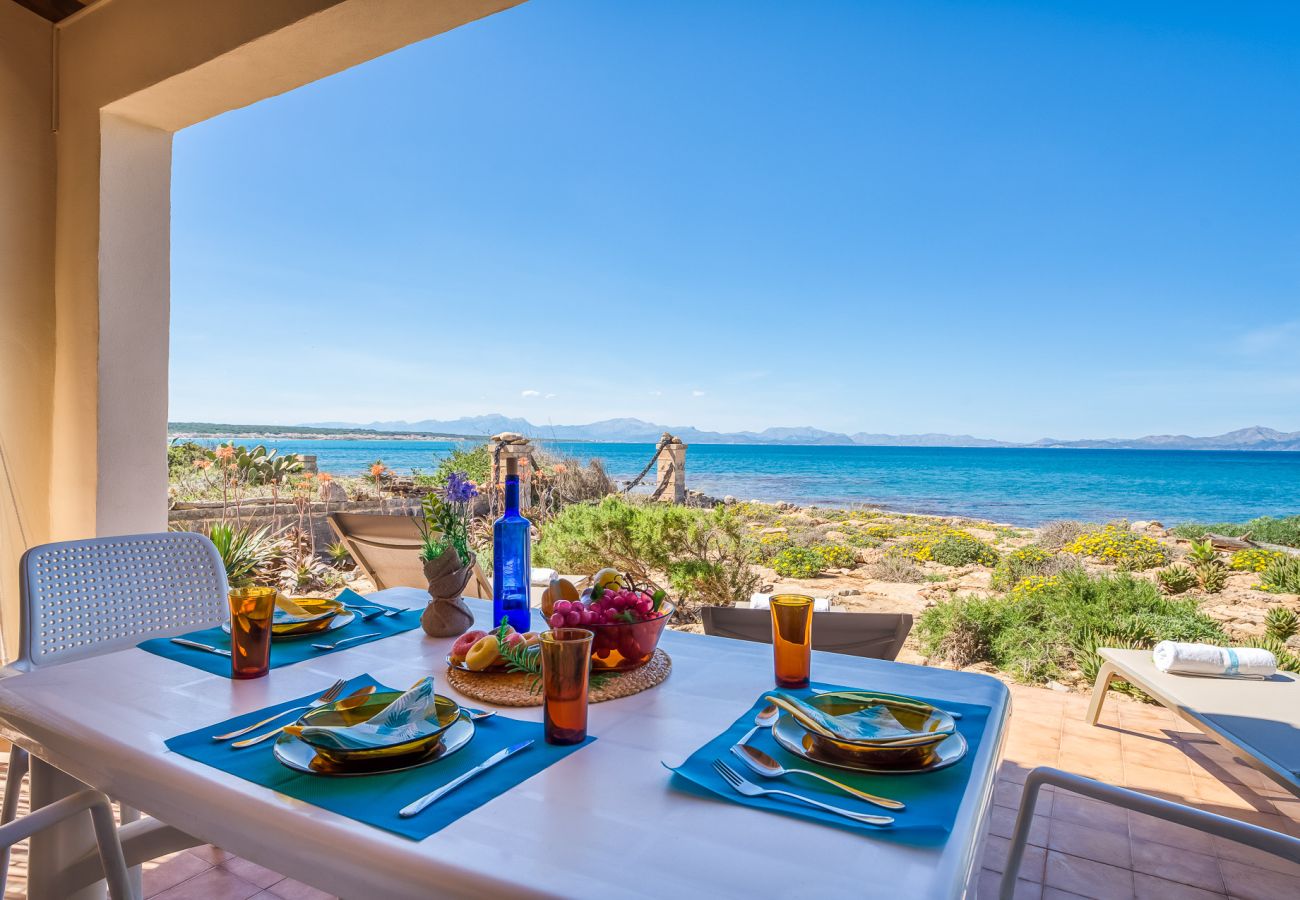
(84, 598)
(1264, 839)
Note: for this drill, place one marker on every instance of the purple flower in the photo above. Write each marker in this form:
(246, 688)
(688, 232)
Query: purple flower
(459, 489)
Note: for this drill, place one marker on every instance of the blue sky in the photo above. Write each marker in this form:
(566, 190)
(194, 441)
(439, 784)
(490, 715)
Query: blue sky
(1008, 219)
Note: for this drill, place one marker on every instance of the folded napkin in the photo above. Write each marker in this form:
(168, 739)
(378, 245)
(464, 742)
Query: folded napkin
(1207, 659)
(871, 723)
(289, 613)
(398, 723)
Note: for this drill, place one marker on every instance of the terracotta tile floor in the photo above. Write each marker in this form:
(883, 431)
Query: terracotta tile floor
(1078, 847)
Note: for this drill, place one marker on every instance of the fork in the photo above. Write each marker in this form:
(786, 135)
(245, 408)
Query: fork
(749, 789)
(347, 641)
(330, 695)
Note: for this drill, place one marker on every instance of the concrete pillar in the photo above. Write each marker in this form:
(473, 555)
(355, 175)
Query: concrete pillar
(670, 482)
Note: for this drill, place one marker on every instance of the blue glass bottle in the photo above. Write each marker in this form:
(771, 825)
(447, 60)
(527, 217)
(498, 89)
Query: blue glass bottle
(511, 562)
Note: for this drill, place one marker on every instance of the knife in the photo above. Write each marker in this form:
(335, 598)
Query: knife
(197, 646)
(407, 811)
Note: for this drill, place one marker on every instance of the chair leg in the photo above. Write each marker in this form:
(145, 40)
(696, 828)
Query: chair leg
(125, 815)
(18, 763)
(1105, 675)
(105, 828)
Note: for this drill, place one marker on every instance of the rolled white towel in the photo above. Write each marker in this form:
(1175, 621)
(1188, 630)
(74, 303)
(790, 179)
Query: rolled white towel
(1207, 659)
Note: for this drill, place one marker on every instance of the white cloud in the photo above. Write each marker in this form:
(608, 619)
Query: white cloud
(530, 393)
(1270, 340)
(550, 396)
(697, 393)
(656, 393)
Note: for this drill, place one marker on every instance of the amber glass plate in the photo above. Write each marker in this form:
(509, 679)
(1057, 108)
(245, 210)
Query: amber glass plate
(341, 618)
(881, 761)
(302, 757)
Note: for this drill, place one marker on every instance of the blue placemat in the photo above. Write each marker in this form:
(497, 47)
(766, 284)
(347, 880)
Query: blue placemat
(932, 798)
(375, 799)
(284, 652)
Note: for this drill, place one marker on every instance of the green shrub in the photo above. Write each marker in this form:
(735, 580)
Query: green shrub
(1176, 579)
(474, 463)
(1117, 545)
(961, 549)
(1281, 624)
(949, 547)
(1267, 529)
(1281, 576)
(837, 556)
(1040, 633)
(704, 554)
(1017, 565)
(181, 456)
(862, 540)
(799, 562)
(1254, 560)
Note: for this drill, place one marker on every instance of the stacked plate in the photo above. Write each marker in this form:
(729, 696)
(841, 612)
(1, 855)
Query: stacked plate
(868, 731)
(441, 732)
(299, 616)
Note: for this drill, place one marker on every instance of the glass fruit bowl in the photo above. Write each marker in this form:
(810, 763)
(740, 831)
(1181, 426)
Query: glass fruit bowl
(620, 646)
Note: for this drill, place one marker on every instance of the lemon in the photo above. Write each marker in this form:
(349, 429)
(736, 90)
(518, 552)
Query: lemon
(607, 578)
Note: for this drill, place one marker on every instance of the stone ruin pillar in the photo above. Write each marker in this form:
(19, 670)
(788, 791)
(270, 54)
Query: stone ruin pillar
(670, 480)
(505, 445)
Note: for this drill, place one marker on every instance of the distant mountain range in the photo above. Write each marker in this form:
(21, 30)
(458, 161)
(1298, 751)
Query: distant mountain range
(637, 431)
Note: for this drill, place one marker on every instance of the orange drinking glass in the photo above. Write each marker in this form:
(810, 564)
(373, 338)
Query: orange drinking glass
(251, 611)
(566, 673)
(792, 639)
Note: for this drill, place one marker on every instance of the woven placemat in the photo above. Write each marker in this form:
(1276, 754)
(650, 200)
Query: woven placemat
(512, 689)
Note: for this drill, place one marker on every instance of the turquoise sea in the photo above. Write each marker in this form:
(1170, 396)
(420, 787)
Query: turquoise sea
(1020, 486)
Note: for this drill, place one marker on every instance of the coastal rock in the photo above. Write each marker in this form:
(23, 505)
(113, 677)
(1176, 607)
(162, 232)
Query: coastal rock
(332, 492)
(728, 500)
(774, 530)
(836, 536)
(849, 592)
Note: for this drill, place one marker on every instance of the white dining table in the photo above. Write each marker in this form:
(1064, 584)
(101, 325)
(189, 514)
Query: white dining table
(602, 822)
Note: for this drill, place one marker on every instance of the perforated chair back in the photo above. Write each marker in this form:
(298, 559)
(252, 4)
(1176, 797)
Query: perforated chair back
(82, 598)
(872, 635)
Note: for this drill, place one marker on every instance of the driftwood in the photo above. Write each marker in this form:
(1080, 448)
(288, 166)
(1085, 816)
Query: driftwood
(1223, 542)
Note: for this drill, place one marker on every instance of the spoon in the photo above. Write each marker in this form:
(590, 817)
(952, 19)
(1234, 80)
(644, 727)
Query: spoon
(764, 765)
(475, 715)
(765, 718)
(356, 698)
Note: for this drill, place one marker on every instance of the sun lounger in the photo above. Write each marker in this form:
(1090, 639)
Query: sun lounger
(1259, 719)
(764, 601)
(872, 635)
(387, 548)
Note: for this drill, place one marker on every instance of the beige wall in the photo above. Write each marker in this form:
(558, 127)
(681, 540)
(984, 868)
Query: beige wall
(26, 289)
(83, 401)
